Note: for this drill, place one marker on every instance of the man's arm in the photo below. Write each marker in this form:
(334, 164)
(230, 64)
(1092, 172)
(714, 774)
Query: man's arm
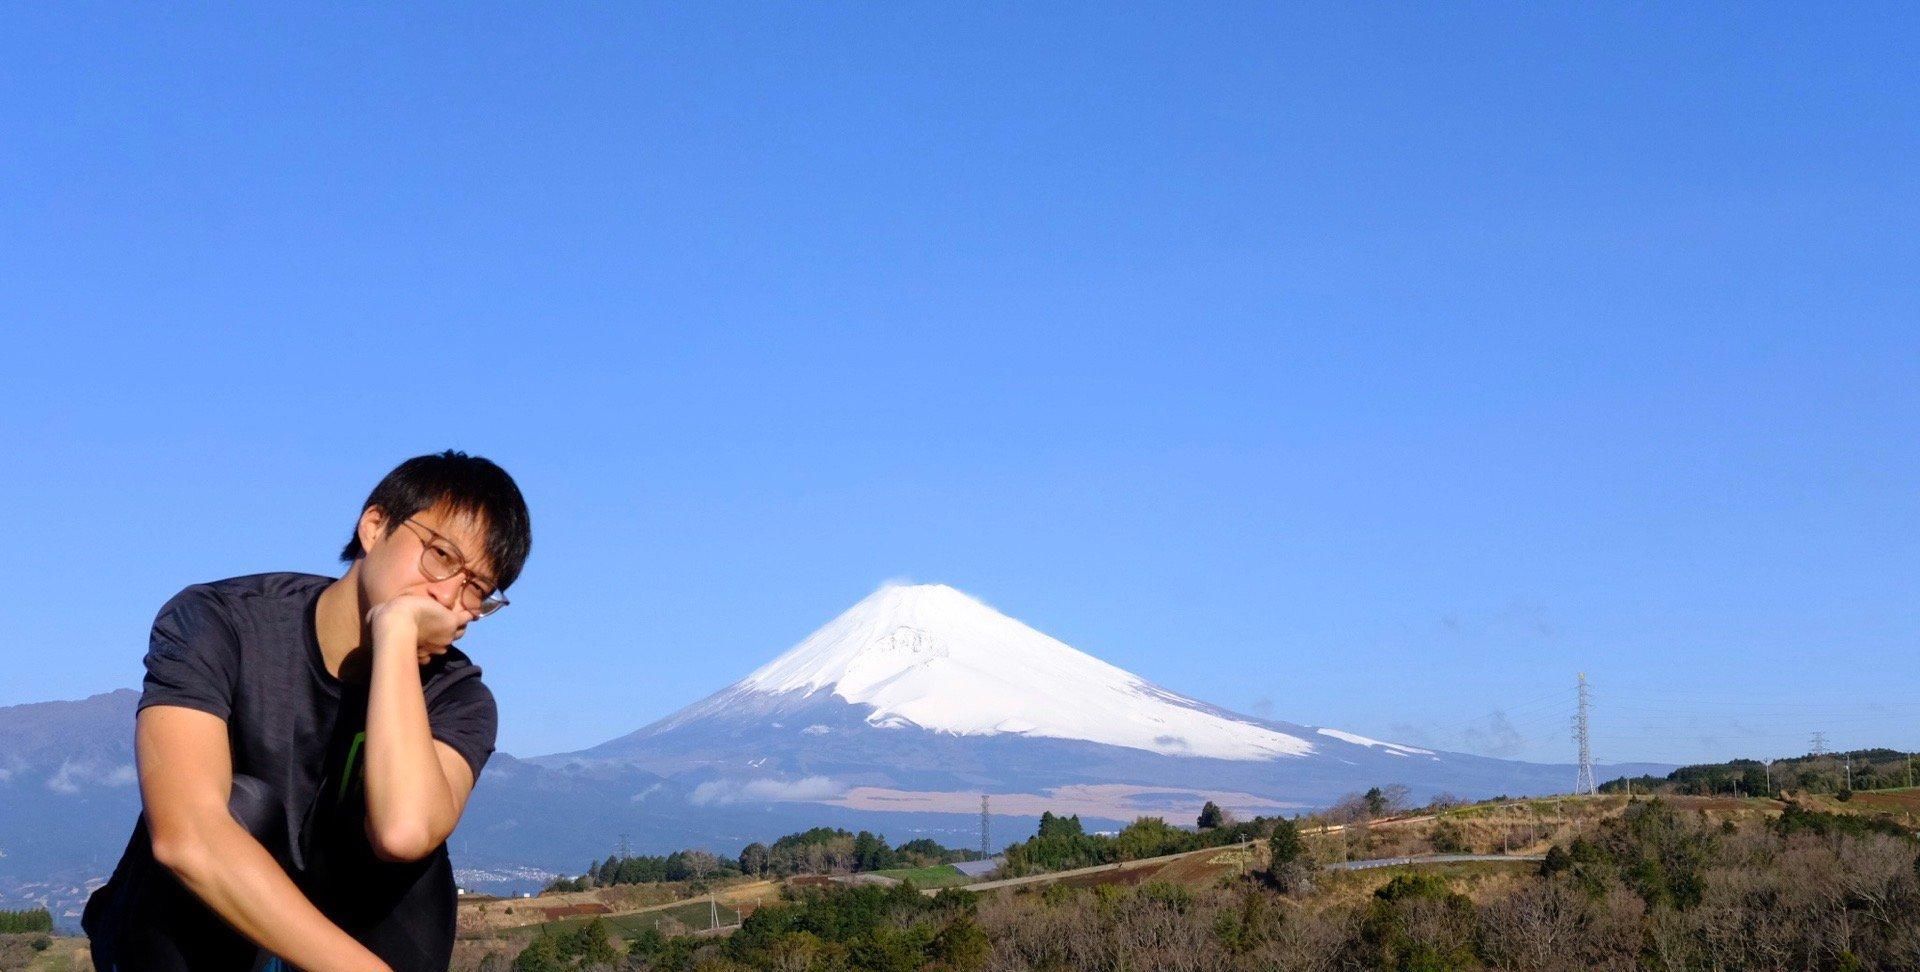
(417, 786)
(186, 778)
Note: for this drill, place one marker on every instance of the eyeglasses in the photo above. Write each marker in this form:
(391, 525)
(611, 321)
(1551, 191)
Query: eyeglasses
(440, 560)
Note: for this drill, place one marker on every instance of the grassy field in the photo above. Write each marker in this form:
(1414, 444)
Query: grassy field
(63, 954)
(937, 876)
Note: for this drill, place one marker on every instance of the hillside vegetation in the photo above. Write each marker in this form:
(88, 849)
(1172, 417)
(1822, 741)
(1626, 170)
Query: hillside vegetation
(1815, 773)
(1664, 883)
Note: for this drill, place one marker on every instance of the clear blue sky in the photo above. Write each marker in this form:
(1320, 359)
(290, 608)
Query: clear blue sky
(1369, 365)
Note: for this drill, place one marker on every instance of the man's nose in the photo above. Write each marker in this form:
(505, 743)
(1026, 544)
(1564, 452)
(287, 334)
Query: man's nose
(447, 592)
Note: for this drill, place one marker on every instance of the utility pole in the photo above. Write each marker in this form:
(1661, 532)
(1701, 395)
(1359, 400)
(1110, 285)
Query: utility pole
(1769, 765)
(1849, 771)
(985, 852)
(1583, 784)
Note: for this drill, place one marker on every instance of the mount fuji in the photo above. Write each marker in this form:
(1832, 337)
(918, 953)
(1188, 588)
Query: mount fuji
(921, 698)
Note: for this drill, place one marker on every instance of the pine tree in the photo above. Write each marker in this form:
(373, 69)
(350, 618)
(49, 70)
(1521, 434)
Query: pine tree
(1285, 843)
(541, 955)
(590, 945)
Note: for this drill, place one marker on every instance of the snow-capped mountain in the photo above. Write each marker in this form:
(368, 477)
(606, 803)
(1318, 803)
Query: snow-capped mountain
(926, 656)
(920, 697)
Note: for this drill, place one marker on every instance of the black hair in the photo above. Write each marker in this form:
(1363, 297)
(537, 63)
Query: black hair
(469, 484)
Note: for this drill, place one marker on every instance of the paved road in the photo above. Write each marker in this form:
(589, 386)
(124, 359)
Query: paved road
(1426, 859)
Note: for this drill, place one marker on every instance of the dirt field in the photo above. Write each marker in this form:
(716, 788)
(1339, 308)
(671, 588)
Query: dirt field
(487, 917)
(1903, 803)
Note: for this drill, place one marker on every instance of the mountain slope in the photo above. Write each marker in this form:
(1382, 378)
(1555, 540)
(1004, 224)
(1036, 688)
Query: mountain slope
(920, 697)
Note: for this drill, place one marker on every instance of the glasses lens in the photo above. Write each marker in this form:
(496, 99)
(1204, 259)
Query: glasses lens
(476, 599)
(438, 562)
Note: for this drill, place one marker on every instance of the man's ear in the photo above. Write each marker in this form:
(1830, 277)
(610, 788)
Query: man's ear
(373, 526)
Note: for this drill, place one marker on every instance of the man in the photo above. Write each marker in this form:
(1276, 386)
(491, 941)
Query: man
(306, 744)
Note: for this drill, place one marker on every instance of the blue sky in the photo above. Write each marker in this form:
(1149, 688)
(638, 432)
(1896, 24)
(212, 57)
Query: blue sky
(1362, 365)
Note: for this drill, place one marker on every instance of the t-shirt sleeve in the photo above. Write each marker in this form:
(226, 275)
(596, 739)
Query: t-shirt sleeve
(193, 655)
(465, 718)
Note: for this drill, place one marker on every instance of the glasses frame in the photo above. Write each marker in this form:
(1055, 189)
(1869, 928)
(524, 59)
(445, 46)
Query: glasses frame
(490, 602)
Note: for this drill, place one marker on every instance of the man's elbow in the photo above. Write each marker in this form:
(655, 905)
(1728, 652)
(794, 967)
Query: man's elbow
(402, 842)
(185, 854)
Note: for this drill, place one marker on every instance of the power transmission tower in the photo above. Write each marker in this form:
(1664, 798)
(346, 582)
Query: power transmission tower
(624, 852)
(1584, 784)
(984, 852)
(1819, 744)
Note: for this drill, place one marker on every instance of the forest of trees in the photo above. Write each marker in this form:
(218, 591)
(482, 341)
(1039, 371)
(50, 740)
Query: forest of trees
(27, 921)
(1062, 844)
(1835, 773)
(821, 850)
(1654, 888)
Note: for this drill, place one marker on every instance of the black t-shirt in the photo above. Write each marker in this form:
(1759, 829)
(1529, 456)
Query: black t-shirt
(245, 650)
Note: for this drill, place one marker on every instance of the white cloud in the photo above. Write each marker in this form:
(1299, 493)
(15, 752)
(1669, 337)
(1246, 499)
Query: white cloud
(764, 791)
(73, 775)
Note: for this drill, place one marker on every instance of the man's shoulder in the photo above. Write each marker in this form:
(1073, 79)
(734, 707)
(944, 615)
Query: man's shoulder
(452, 668)
(280, 584)
(231, 599)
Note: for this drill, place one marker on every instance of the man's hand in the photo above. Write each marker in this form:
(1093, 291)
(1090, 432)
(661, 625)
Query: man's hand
(417, 786)
(418, 621)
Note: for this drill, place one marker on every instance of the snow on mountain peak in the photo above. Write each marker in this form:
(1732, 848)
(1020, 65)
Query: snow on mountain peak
(931, 656)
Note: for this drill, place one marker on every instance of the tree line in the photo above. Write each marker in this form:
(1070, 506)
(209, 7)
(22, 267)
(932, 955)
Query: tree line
(26, 921)
(1062, 843)
(1825, 773)
(819, 850)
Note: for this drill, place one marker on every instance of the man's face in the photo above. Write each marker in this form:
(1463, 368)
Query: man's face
(392, 566)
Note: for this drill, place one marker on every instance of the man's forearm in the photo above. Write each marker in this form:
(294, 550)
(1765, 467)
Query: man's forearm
(229, 870)
(410, 807)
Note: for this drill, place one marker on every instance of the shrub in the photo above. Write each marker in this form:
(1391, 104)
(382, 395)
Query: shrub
(1448, 837)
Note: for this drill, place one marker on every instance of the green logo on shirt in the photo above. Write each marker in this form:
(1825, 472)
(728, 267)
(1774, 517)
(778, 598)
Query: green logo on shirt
(346, 772)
